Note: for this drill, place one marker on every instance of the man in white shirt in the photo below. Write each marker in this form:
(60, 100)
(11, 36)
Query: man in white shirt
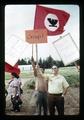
(57, 88)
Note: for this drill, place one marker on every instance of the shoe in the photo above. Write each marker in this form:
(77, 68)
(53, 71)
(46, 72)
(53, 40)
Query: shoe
(16, 110)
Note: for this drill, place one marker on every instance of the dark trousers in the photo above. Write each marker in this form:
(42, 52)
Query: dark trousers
(16, 101)
(56, 101)
(42, 102)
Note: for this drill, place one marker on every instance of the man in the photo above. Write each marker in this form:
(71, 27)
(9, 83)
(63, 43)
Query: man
(41, 87)
(57, 89)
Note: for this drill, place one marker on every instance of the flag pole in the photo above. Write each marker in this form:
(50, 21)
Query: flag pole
(32, 50)
(37, 54)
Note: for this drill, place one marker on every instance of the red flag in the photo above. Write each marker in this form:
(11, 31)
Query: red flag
(51, 19)
(10, 69)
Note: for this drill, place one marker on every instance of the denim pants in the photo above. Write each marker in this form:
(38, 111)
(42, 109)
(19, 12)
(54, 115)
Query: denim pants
(42, 102)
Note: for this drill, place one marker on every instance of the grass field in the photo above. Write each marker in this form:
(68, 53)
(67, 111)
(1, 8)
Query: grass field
(70, 73)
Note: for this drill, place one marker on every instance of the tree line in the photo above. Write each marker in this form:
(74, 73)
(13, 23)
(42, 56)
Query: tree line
(44, 63)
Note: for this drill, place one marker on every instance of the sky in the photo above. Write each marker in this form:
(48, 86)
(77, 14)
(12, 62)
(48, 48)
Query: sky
(19, 18)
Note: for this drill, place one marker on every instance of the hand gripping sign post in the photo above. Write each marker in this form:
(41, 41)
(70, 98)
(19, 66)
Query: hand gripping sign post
(67, 49)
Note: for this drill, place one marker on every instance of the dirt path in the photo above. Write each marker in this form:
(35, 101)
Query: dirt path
(71, 102)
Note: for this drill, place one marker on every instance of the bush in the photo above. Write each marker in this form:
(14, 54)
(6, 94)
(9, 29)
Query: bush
(30, 84)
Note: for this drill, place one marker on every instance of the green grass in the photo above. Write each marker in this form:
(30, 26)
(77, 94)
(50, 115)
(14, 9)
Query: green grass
(70, 73)
(7, 76)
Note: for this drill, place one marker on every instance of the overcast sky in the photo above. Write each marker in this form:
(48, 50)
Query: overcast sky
(19, 18)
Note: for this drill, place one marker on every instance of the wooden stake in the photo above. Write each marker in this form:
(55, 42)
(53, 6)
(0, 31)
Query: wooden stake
(32, 50)
(37, 54)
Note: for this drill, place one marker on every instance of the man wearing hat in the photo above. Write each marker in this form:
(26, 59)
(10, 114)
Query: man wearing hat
(57, 89)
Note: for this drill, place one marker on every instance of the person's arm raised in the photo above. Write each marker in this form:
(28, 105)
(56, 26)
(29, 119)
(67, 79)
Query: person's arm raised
(34, 66)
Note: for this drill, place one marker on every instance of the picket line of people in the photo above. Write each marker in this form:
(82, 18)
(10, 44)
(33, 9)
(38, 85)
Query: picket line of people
(50, 90)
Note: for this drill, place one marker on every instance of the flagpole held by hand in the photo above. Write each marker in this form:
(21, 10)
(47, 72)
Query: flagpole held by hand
(37, 54)
(32, 50)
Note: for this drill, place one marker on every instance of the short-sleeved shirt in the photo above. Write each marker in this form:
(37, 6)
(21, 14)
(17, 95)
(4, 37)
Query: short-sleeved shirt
(19, 85)
(20, 82)
(57, 84)
(13, 84)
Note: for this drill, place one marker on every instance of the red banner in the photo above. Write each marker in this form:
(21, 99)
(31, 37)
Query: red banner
(10, 69)
(53, 20)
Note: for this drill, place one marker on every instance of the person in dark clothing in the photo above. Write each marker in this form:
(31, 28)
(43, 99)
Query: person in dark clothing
(14, 92)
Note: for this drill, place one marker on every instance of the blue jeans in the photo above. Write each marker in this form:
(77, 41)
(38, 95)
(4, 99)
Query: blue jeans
(42, 102)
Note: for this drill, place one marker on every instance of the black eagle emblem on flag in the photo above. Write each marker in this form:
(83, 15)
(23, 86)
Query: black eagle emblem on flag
(52, 22)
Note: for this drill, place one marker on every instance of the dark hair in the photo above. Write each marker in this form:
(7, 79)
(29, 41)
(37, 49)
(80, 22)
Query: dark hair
(15, 75)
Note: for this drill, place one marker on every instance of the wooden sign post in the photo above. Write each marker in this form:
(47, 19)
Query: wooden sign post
(35, 37)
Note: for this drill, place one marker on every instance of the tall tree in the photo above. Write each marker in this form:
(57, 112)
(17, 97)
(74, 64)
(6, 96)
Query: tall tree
(40, 63)
(50, 61)
(22, 62)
